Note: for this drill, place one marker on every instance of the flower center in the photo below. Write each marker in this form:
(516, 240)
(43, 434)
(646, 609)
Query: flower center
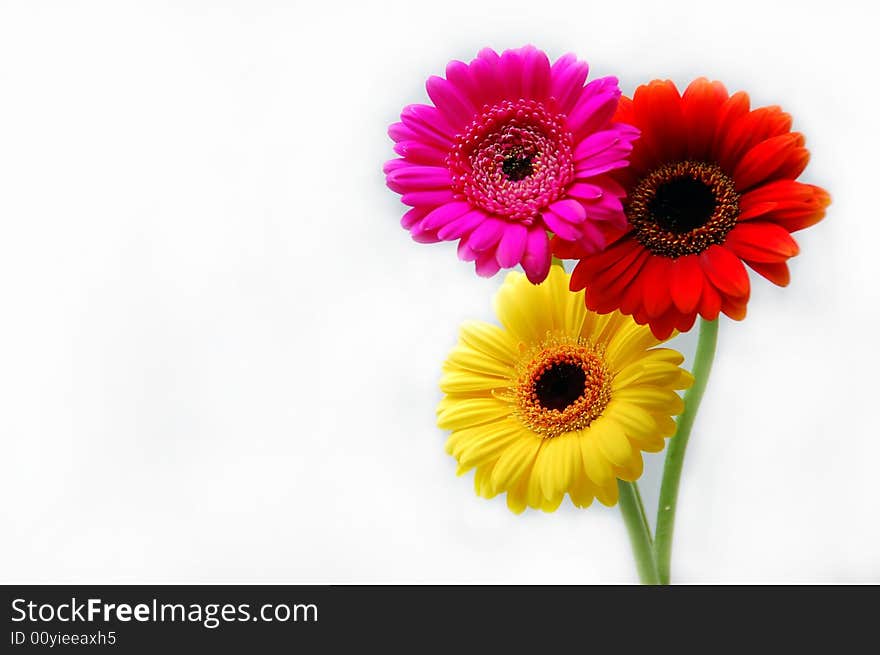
(563, 386)
(513, 160)
(560, 385)
(682, 208)
(517, 167)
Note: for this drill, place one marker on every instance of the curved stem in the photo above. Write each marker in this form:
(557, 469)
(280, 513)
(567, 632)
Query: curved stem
(677, 446)
(639, 532)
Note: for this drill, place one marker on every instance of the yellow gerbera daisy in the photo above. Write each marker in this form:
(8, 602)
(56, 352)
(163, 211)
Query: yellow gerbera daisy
(560, 400)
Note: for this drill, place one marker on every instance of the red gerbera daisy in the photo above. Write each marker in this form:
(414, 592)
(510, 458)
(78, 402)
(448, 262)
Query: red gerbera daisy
(711, 185)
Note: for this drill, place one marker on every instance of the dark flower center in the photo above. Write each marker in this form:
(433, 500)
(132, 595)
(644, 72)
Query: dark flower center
(513, 160)
(560, 385)
(517, 167)
(682, 208)
(682, 204)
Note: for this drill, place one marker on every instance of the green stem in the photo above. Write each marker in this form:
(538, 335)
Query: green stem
(639, 532)
(677, 446)
(557, 262)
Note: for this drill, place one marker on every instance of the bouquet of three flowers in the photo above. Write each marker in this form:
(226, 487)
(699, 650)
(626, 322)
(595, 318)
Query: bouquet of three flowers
(661, 200)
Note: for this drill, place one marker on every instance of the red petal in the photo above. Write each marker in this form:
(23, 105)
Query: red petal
(610, 286)
(710, 301)
(775, 158)
(726, 271)
(620, 254)
(749, 130)
(735, 107)
(632, 299)
(663, 326)
(793, 205)
(734, 308)
(658, 113)
(685, 322)
(701, 103)
(656, 285)
(762, 242)
(778, 274)
(686, 283)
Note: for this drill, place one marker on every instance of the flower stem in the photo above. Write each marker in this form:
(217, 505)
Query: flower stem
(639, 532)
(677, 446)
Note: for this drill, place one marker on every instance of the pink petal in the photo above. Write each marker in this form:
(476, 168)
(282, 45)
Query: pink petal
(486, 266)
(596, 106)
(412, 217)
(456, 107)
(606, 208)
(485, 74)
(430, 198)
(570, 210)
(393, 165)
(400, 132)
(592, 240)
(512, 245)
(536, 259)
(567, 81)
(428, 124)
(511, 73)
(488, 55)
(598, 143)
(584, 191)
(536, 74)
(414, 178)
(465, 253)
(445, 214)
(588, 171)
(461, 226)
(459, 75)
(486, 234)
(559, 226)
(420, 153)
(421, 235)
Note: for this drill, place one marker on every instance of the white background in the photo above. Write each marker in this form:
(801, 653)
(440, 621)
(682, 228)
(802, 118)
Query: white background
(219, 351)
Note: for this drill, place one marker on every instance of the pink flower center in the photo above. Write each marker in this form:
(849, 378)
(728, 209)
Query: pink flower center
(513, 160)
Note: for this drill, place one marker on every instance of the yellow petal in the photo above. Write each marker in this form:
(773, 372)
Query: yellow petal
(515, 461)
(482, 482)
(650, 444)
(607, 494)
(628, 344)
(582, 492)
(557, 464)
(652, 399)
(632, 470)
(596, 466)
(465, 357)
(612, 440)
(635, 420)
(665, 425)
(667, 355)
(602, 328)
(489, 339)
(642, 373)
(570, 318)
(534, 495)
(522, 309)
(685, 380)
(468, 382)
(551, 504)
(488, 444)
(469, 412)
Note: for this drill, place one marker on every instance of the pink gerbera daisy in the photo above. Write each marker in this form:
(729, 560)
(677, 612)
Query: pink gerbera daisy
(512, 149)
